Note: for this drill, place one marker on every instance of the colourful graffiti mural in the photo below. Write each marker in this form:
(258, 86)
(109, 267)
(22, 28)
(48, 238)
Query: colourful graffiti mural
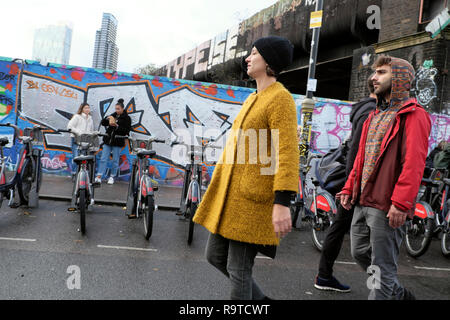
(158, 106)
(424, 86)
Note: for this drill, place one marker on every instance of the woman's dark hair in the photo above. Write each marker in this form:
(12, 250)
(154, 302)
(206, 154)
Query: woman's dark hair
(270, 72)
(120, 103)
(80, 109)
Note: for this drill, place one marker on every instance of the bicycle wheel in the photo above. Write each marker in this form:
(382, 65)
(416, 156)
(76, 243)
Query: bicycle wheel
(192, 209)
(319, 228)
(24, 185)
(132, 195)
(39, 177)
(148, 208)
(445, 244)
(82, 207)
(418, 236)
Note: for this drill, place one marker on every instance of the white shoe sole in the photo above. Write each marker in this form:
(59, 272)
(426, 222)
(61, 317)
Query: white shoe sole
(330, 289)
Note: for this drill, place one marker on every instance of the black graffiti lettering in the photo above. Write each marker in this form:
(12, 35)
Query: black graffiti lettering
(6, 77)
(5, 100)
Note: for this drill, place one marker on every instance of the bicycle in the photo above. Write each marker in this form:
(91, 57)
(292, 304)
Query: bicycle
(28, 173)
(191, 191)
(83, 187)
(141, 188)
(318, 210)
(431, 216)
(444, 223)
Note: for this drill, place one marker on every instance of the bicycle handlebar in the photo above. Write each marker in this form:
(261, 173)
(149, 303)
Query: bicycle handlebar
(17, 131)
(90, 134)
(208, 145)
(151, 139)
(16, 128)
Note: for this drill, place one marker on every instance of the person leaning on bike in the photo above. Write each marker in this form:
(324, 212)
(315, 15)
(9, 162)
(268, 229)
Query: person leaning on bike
(80, 123)
(118, 123)
(386, 176)
(342, 222)
(245, 210)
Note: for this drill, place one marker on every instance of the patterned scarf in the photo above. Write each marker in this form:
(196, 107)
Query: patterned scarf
(402, 77)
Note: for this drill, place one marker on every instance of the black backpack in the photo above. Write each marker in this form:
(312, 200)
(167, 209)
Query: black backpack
(442, 158)
(330, 171)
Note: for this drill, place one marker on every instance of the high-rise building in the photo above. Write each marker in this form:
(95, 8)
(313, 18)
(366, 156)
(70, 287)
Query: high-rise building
(52, 44)
(106, 52)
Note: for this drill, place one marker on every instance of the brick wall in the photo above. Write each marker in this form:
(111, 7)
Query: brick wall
(432, 84)
(398, 18)
(361, 70)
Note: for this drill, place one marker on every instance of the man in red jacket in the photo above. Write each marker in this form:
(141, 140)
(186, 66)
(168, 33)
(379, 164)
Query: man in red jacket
(386, 176)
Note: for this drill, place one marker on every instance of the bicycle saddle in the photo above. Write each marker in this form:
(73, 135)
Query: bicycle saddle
(428, 181)
(84, 145)
(195, 153)
(83, 158)
(26, 139)
(144, 153)
(315, 182)
(3, 141)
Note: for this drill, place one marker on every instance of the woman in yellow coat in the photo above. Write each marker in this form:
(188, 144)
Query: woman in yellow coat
(246, 206)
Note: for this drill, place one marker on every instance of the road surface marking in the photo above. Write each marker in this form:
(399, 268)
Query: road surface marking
(263, 257)
(432, 268)
(18, 239)
(126, 248)
(345, 262)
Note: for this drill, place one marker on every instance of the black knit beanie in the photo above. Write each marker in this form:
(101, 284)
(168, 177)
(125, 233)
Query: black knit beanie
(277, 52)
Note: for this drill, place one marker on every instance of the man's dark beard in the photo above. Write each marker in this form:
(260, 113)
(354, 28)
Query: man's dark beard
(386, 92)
(381, 98)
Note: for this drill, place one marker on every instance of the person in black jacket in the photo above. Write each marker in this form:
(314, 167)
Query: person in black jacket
(430, 159)
(117, 124)
(341, 225)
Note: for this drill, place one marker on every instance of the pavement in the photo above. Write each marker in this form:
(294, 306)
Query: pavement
(40, 247)
(60, 188)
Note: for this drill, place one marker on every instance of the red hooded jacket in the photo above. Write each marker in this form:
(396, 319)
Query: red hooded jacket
(399, 168)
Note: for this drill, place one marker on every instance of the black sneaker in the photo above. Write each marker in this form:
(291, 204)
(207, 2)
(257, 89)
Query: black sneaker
(330, 285)
(407, 295)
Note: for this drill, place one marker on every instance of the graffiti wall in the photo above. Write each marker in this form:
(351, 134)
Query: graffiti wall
(215, 59)
(158, 106)
(198, 61)
(424, 87)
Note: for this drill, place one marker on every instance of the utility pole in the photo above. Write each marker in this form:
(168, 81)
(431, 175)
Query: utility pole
(309, 103)
(19, 90)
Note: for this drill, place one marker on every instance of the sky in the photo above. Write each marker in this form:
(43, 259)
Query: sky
(148, 31)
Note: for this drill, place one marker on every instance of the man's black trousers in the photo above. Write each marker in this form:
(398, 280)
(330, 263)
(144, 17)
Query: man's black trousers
(333, 241)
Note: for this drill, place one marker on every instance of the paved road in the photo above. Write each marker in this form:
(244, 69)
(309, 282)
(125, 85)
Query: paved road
(37, 247)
